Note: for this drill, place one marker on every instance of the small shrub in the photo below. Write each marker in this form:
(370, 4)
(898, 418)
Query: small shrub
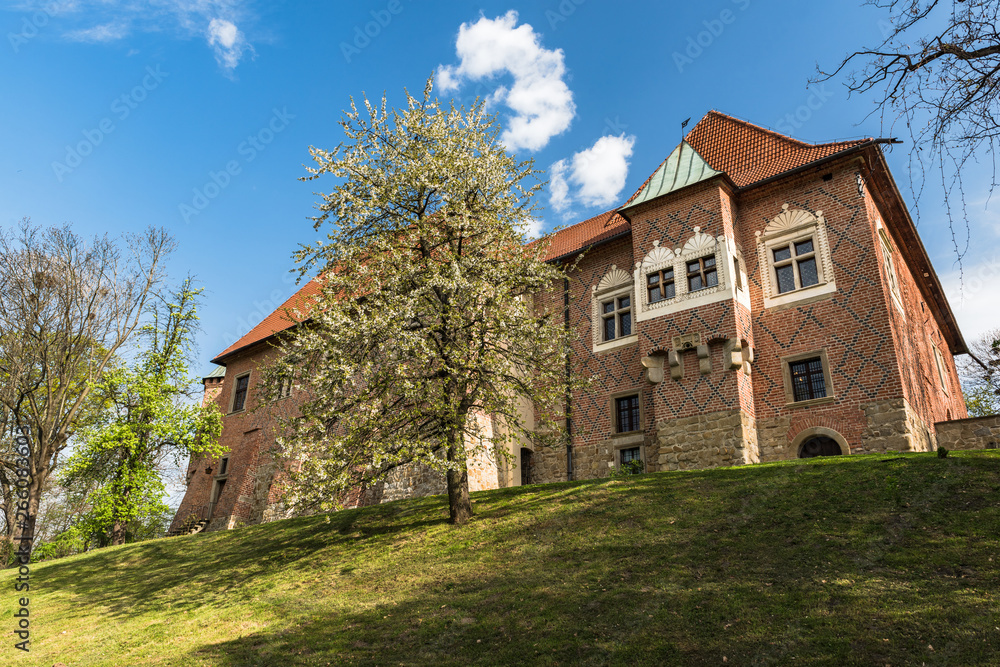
(634, 467)
(942, 452)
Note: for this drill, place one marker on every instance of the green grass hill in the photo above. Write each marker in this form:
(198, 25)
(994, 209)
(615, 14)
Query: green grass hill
(868, 560)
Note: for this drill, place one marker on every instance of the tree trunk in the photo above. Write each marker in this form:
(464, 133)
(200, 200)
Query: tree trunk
(459, 505)
(24, 526)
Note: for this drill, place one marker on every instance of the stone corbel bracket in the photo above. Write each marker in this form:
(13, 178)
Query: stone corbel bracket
(735, 355)
(704, 360)
(654, 368)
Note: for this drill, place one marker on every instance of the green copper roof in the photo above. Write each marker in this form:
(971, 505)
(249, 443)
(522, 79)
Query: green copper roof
(217, 372)
(682, 168)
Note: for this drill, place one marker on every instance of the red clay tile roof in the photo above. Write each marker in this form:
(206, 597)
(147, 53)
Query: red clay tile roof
(577, 237)
(748, 153)
(276, 321)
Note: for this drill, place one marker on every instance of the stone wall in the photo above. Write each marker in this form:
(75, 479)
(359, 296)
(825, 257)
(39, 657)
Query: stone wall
(893, 426)
(707, 441)
(971, 433)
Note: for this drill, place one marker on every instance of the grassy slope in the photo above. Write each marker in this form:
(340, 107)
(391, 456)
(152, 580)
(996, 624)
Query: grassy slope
(854, 560)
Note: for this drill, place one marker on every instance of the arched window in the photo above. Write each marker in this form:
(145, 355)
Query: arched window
(819, 445)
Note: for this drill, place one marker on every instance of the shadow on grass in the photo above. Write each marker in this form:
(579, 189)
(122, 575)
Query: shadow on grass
(828, 562)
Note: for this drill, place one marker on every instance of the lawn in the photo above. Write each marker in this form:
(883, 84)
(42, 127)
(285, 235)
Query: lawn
(869, 560)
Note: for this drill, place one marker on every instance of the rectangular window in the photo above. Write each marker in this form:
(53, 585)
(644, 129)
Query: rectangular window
(737, 275)
(939, 362)
(627, 414)
(890, 268)
(701, 273)
(285, 386)
(807, 379)
(795, 265)
(660, 285)
(617, 314)
(224, 466)
(240, 392)
(629, 455)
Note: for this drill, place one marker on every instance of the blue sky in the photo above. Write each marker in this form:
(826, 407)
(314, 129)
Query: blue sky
(197, 115)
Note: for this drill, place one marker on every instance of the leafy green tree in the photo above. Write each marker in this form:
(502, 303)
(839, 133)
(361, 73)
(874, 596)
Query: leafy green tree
(147, 416)
(432, 308)
(68, 305)
(980, 375)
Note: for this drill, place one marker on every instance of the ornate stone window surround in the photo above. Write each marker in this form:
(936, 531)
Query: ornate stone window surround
(791, 226)
(786, 376)
(615, 283)
(698, 246)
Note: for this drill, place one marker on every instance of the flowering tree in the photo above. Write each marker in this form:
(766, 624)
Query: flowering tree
(432, 307)
(146, 416)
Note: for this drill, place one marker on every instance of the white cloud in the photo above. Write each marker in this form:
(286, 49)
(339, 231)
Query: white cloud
(109, 32)
(227, 41)
(103, 21)
(541, 101)
(598, 174)
(976, 305)
(532, 228)
(558, 187)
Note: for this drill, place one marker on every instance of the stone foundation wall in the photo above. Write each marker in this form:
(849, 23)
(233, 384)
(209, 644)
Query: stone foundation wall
(971, 433)
(412, 481)
(725, 438)
(893, 426)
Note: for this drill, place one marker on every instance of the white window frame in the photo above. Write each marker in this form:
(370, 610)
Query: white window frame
(698, 246)
(939, 362)
(795, 226)
(615, 284)
(889, 266)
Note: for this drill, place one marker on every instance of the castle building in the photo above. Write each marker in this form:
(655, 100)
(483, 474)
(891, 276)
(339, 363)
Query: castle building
(757, 299)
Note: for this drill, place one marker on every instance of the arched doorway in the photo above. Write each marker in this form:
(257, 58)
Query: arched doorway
(526, 466)
(819, 445)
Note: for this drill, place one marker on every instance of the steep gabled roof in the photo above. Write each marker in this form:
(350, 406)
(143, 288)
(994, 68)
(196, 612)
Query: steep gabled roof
(748, 153)
(683, 167)
(277, 321)
(576, 237)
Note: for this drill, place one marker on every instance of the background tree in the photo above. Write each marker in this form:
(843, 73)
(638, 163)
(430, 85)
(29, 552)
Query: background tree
(427, 315)
(938, 71)
(147, 415)
(980, 375)
(66, 307)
